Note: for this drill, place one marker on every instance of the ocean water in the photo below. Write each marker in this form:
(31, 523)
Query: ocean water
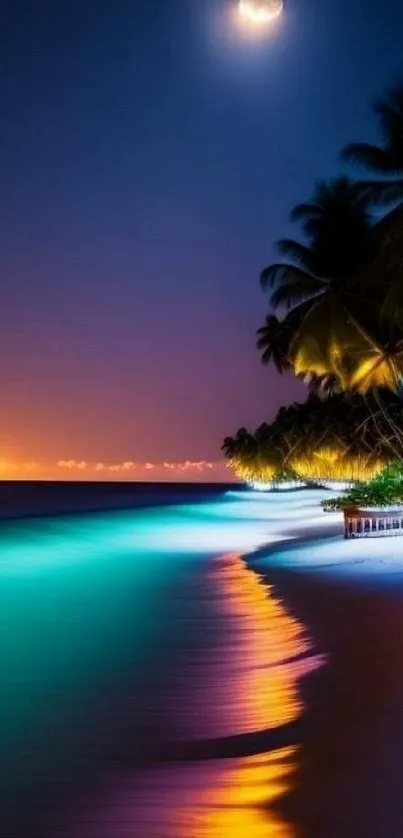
(150, 680)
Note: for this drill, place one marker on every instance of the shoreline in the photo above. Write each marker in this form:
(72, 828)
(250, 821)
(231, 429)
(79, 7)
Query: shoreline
(352, 731)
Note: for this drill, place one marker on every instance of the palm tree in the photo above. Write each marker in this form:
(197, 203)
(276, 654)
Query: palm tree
(384, 160)
(323, 325)
(241, 445)
(274, 338)
(337, 296)
(336, 223)
(378, 282)
(344, 437)
(248, 455)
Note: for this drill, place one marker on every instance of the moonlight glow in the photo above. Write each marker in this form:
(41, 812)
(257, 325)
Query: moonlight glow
(260, 12)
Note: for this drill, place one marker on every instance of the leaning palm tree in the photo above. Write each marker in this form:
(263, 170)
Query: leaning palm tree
(358, 334)
(320, 326)
(385, 160)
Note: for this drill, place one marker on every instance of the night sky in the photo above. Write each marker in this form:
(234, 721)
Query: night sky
(149, 157)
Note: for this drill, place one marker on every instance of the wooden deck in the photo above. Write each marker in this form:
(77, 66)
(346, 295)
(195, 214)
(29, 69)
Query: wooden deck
(366, 523)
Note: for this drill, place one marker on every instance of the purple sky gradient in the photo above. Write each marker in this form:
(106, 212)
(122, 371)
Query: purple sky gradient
(148, 161)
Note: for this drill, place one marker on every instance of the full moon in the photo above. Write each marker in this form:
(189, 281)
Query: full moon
(260, 12)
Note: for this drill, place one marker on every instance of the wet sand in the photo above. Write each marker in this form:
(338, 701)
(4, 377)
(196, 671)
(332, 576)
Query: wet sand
(348, 780)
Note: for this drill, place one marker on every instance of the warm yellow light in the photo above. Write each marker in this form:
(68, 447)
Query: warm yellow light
(270, 652)
(6, 468)
(258, 470)
(260, 12)
(336, 464)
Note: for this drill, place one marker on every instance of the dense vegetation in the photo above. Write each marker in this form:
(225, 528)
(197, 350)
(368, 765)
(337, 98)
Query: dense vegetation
(344, 437)
(336, 320)
(336, 296)
(386, 489)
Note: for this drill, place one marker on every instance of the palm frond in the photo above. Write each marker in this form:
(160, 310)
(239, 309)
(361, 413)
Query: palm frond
(378, 370)
(329, 341)
(280, 272)
(334, 202)
(305, 210)
(295, 291)
(381, 193)
(389, 111)
(300, 254)
(274, 338)
(370, 157)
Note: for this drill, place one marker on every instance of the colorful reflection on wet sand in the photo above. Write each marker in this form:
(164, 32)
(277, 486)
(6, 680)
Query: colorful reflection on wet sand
(152, 679)
(238, 687)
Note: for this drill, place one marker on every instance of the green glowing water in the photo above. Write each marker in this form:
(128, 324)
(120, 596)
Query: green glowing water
(95, 612)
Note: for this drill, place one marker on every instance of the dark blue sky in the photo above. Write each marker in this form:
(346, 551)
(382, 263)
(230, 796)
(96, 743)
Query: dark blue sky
(149, 157)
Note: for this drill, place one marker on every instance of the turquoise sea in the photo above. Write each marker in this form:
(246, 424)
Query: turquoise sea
(156, 684)
(135, 644)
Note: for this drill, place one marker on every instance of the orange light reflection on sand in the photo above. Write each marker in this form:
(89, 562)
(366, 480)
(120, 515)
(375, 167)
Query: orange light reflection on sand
(242, 804)
(268, 657)
(273, 654)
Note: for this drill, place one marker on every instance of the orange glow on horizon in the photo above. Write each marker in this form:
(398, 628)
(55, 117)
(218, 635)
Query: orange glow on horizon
(72, 470)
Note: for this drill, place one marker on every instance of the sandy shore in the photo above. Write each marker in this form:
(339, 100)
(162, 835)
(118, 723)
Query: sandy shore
(349, 595)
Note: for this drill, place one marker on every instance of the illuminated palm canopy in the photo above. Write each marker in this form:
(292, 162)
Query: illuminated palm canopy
(339, 298)
(341, 438)
(336, 321)
(356, 333)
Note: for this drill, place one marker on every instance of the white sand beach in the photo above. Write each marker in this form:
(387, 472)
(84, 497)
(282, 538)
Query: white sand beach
(349, 595)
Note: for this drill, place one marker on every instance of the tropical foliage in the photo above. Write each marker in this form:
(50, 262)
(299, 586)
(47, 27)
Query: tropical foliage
(344, 437)
(385, 161)
(386, 489)
(336, 320)
(336, 295)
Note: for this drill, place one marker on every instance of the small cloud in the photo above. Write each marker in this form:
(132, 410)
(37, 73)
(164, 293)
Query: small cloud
(72, 465)
(178, 468)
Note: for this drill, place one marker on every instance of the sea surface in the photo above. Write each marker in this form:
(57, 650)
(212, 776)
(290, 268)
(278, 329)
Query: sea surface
(154, 683)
